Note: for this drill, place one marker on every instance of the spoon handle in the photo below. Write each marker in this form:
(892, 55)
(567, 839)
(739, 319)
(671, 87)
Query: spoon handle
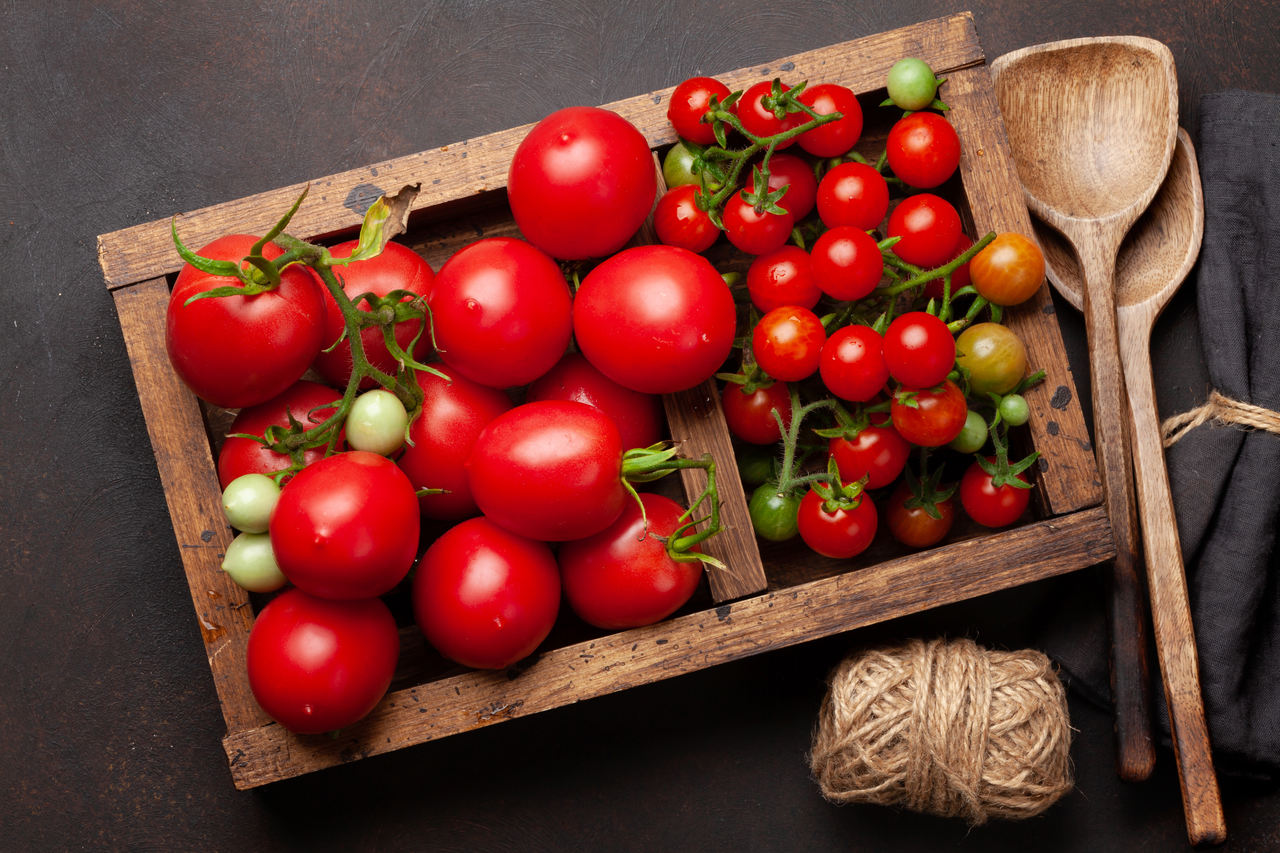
(1170, 608)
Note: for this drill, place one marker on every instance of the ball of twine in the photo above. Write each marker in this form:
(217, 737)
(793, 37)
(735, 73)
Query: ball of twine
(947, 728)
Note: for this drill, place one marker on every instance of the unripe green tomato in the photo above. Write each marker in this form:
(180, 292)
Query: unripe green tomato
(912, 84)
(248, 500)
(973, 435)
(994, 356)
(774, 513)
(1014, 410)
(252, 564)
(677, 167)
(377, 422)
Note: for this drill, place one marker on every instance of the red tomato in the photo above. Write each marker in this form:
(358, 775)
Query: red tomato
(782, 277)
(581, 183)
(838, 137)
(655, 319)
(689, 103)
(346, 526)
(919, 349)
(310, 403)
(929, 417)
(988, 504)
(853, 365)
(847, 263)
(623, 577)
(878, 453)
(914, 526)
(486, 597)
(959, 276)
(550, 470)
(637, 416)
(755, 232)
(396, 267)
(841, 534)
(794, 173)
(678, 221)
(1009, 269)
(317, 665)
(501, 311)
(929, 227)
(853, 194)
(750, 416)
(237, 351)
(923, 149)
(760, 120)
(787, 343)
(454, 412)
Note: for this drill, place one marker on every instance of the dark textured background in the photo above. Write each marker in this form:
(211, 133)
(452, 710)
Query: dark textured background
(120, 112)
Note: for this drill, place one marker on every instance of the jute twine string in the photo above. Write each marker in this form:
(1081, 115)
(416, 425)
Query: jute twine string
(1222, 410)
(947, 728)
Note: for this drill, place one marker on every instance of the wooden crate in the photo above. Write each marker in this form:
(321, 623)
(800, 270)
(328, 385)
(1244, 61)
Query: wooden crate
(773, 599)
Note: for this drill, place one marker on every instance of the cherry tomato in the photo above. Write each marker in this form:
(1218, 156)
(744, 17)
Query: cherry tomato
(250, 563)
(237, 351)
(346, 526)
(677, 166)
(878, 453)
(990, 505)
(929, 227)
(853, 194)
(994, 356)
(911, 84)
(247, 502)
(782, 277)
(923, 150)
(1009, 270)
(396, 267)
(973, 437)
(913, 526)
(689, 103)
(787, 343)
(794, 173)
(501, 312)
(655, 319)
(773, 513)
(838, 137)
(377, 422)
(581, 183)
(847, 263)
(853, 365)
(760, 120)
(317, 665)
(307, 402)
(637, 416)
(755, 232)
(959, 276)
(1014, 409)
(919, 349)
(678, 221)
(750, 416)
(485, 597)
(841, 533)
(623, 577)
(929, 417)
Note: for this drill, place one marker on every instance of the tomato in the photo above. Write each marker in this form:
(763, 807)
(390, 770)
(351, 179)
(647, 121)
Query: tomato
(689, 103)
(782, 277)
(623, 577)
(1009, 270)
(911, 84)
(760, 120)
(655, 319)
(853, 194)
(549, 470)
(454, 412)
(773, 513)
(923, 150)
(852, 365)
(377, 422)
(485, 597)
(787, 343)
(847, 263)
(973, 437)
(929, 417)
(919, 349)
(250, 563)
(913, 526)
(750, 416)
(1014, 410)
(677, 166)
(346, 526)
(841, 533)
(988, 504)
(637, 416)
(581, 183)
(837, 137)
(501, 312)
(247, 502)
(396, 267)
(994, 356)
(307, 402)
(929, 227)
(752, 231)
(878, 453)
(237, 351)
(678, 221)
(317, 665)
(794, 173)
(959, 276)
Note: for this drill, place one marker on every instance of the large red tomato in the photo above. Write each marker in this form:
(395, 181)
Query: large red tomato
(581, 183)
(310, 403)
(637, 416)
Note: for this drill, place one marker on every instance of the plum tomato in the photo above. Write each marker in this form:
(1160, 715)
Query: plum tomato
(919, 349)
(923, 150)
(993, 355)
(929, 417)
(913, 526)
(307, 402)
(794, 173)
(755, 232)
(1009, 270)
(988, 504)
(679, 222)
(853, 365)
(787, 343)
(878, 453)
(838, 533)
(847, 263)
(837, 137)
(853, 194)
(761, 120)
(637, 416)
(782, 277)
(929, 227)
(749, 416)
(689, 103)
(581, 183)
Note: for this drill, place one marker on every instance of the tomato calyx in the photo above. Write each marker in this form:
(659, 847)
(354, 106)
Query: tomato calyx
(925, 489)
(837, 495)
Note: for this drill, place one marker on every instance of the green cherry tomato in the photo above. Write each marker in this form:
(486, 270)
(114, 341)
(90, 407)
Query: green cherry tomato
(912, 85)
(773, 513)
(1014, 410)
(973, 436)
(252, 564)
(994, 356)
(677, 167)
(377, 422)
(248, 500)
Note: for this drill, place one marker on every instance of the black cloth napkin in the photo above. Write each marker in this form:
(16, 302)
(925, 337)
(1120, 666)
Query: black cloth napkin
(1225, 480)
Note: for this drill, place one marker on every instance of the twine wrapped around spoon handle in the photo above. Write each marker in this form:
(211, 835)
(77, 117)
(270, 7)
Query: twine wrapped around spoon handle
(1220, 409)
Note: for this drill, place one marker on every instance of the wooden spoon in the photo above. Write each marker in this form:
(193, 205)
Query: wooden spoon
(1091, 125)
(1153, 261)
